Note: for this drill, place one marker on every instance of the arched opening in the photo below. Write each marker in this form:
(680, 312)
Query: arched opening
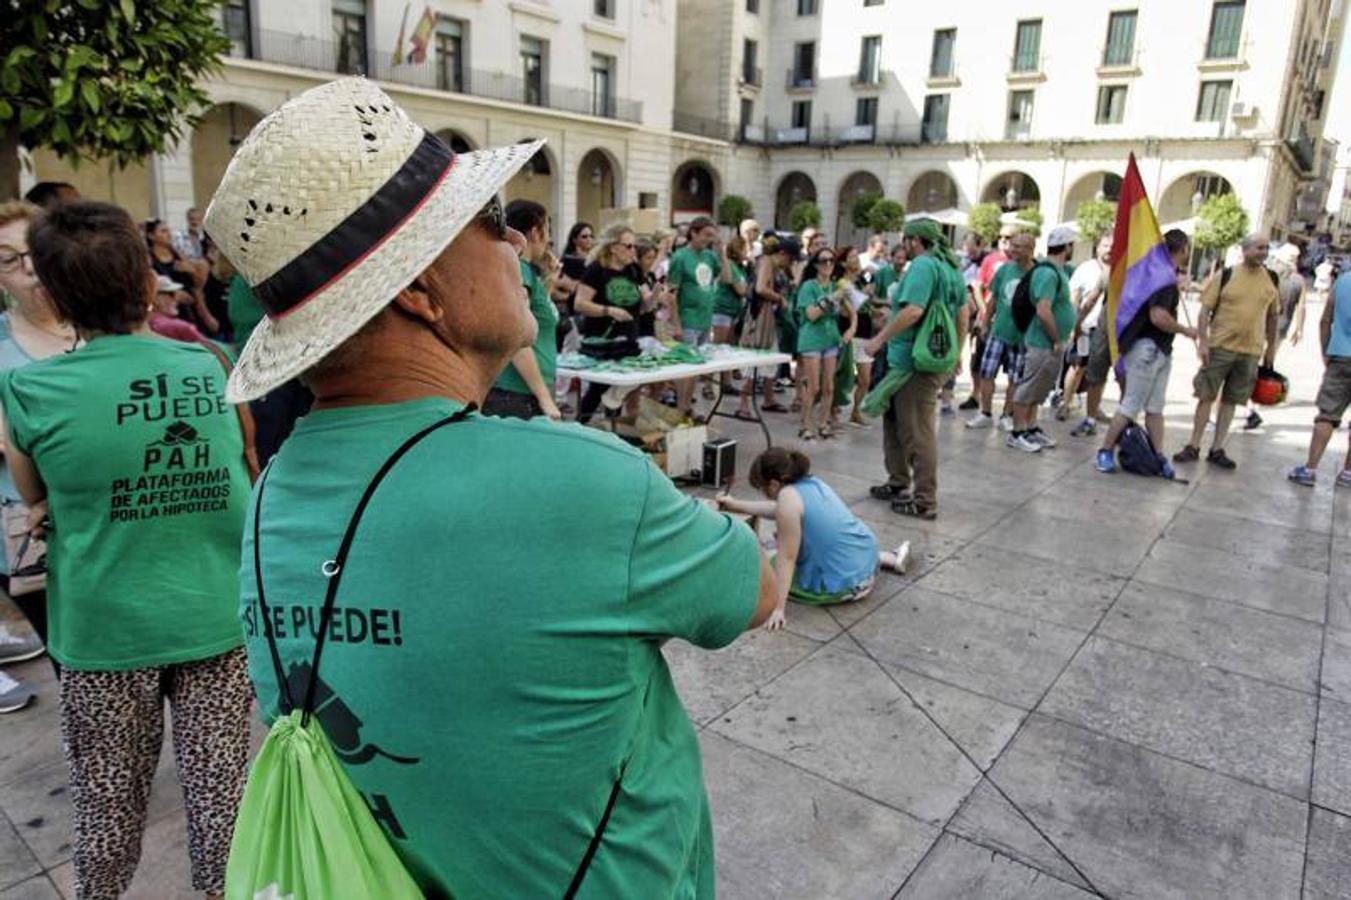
(931, 192)
(852, 188)
(1093, 186)
(1181, 201)
(793, 189)
(597, 180)
(535, 181)
(456, 140)
(1012, 191)
(214, 142)
(693, 192)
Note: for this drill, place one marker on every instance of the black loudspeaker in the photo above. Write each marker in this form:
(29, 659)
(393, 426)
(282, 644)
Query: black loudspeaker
(719, 462)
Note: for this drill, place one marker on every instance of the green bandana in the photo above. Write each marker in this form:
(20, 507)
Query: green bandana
(928, 230)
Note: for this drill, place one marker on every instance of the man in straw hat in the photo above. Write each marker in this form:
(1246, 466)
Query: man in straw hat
(495, 686)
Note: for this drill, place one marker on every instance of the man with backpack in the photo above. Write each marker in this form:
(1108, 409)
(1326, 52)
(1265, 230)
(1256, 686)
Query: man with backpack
(909, 439)
(1041, 304)
(1146, 346)
(1237, 327)
(1003, 345)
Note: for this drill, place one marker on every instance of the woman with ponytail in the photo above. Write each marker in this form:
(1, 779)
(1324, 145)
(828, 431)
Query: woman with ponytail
(825, 554)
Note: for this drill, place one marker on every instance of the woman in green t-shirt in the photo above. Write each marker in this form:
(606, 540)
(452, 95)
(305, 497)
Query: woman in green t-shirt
(133, 465)
(819, 302)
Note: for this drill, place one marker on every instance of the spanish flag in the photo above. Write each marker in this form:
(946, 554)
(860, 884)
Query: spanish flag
(422, 35)
(1140, 261)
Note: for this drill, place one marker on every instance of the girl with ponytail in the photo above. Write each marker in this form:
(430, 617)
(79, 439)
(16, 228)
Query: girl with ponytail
(825, 554)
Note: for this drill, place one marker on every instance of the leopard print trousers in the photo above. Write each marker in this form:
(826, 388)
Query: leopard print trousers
(112, 726)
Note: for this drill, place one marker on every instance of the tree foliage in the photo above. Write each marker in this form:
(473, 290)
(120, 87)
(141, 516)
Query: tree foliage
(733, 209)
(103, 79)
(1221, 222)
(804, 214)
(1096, 218)
(1033, 216)
(983, 219)
(862, 205)
(886, 216)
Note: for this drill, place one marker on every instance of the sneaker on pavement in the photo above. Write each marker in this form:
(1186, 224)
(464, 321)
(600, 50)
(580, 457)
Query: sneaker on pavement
(1006, 422)
(969, 403)
(1102, 418)
(947, 410)
(1253, 421)
(1306, 476)
(14, 695)
(1189, 453)
(1106, 461)
(14, 648)
(980, 420)
(1166, 469)
(1042, 438)
(1024, 442)
(1344, 478)
(902, 554)
(1086, 428)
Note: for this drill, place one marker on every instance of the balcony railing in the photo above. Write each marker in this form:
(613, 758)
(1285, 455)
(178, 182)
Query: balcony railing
(1303, 149)
(796, 80)
(322, 55)
(752, 75)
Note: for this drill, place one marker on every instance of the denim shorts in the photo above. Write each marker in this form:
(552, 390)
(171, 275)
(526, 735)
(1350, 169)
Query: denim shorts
(695, 337)
(723, 321)
(828, 353)
(1147, 369)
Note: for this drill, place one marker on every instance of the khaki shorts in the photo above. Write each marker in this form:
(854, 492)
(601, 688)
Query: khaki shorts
(1334, 394)
(1235, 372)
(1041, 370)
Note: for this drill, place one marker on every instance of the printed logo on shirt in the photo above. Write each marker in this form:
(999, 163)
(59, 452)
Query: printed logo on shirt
(703, 275)
(179, 473)
(622, 292)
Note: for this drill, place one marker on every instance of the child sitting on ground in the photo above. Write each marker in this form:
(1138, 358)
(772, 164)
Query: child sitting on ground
(825, 554)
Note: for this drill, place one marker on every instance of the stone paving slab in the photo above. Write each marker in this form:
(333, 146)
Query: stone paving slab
(39, 888)
(1227, 576)
(1336, 680)
(1109, 547)
(958, 869)
(1332, 758)
(1328, 876)
(1269, 545)
(711, 684)
(989, 819)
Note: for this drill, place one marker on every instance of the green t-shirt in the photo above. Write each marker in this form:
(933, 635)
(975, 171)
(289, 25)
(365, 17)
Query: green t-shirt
(144, 467)
(728, 302)
(1002, 286)
(244, 310)
(1051, 282)
(546, 342)
(824, 333)
(925, 280)
(499, 630)
(885, 276)
(695, 277)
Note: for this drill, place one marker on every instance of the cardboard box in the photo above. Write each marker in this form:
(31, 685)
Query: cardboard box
(685, 450)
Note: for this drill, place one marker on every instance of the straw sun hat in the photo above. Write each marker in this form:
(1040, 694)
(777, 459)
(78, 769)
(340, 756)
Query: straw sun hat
(334, 204)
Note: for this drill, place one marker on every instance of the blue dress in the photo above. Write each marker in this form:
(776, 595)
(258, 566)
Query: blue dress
(838, 552)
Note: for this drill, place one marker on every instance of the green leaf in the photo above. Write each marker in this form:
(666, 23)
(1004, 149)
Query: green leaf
(65, 92)
(129, 10)
(6, 111)
(90, 91)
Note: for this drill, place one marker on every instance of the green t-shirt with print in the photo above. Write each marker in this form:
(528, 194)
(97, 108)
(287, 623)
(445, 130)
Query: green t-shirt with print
(497, 656)
(824, 333)
(546, 342)
(144, 467)
(695, 277)
(729, 303)
(885, 276)
(925, 280)
(1050, 281)
(1002, 286)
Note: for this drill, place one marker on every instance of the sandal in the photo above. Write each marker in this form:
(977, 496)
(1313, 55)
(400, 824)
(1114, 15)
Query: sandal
(909, 508)
(773, 407)
(1221, 459)
(805, 434)
(744, 415)
(889, 492)
(1187, 454)
(826, 432)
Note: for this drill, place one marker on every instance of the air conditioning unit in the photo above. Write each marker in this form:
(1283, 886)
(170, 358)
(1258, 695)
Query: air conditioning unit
(1240, 110)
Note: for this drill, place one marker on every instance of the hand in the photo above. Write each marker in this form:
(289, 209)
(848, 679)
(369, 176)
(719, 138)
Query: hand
(37, 515)
(723, 500)
(678, 333)
(872, 347)
(550, 409)
(620, 315)
(848, 336)
(775, 621)
(1058, 347)
(1202, 352)
(1294, 338)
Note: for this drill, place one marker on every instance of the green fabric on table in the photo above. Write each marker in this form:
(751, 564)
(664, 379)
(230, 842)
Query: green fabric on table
(1051, 282)
(144, 466)
(694, 275)
(501, 627)
(824, 333)
(545, 346)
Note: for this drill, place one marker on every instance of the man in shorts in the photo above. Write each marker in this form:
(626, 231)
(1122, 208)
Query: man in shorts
(1236, 331)
(1045, 338)
(1334, 395)
(1003, 345)
(1146, 346)
(1092, 357)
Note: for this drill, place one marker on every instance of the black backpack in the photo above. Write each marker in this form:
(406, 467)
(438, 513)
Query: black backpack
(1228, 272)
(1136, 452)
(1024, 307)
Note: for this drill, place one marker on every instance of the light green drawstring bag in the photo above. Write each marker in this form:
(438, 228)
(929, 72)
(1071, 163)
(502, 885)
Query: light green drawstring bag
(936, 347)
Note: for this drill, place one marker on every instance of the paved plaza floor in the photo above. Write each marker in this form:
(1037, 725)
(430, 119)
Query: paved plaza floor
(1086, 685)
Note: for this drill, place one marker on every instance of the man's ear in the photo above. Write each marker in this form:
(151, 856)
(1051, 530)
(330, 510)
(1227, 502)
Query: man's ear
(416, 301)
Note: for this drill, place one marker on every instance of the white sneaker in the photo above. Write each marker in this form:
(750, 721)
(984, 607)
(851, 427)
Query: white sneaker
(1006, 422)
(980, 420)
(14, 695)
(1023, 442)
(902, 554)
(17, 649)
(1042, 438)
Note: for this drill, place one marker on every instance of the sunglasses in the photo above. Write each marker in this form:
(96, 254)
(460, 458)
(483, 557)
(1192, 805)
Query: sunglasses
(492, 220)
(628, 246)
(825, 259)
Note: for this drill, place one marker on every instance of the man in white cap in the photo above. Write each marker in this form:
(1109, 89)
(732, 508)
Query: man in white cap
(1045, 337)
(492, 679)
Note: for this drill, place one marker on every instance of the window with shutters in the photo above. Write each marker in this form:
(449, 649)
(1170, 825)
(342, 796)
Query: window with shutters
(1120, 48)
(1226, 26)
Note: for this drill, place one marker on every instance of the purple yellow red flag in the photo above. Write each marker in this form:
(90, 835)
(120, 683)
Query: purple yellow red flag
(1140, 261)
(422, 35)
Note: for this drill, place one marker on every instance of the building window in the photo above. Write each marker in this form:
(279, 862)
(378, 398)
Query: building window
(1120, 39)
(449, 54)
(804, 64)
(747, 115)
(753, 7)
(749, 71)
(935, 127)
(349, 36)
(802, 114)
(870, 60)
(1111, 104)
(238, 22)
(1020, 115)
(941, 60)
(1213, 102)
(873, 2)
(605, 8)
(532, 70)
(865, 111)
(1226, 24)
(602, 85)
(806, 7)
(1027, 46)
